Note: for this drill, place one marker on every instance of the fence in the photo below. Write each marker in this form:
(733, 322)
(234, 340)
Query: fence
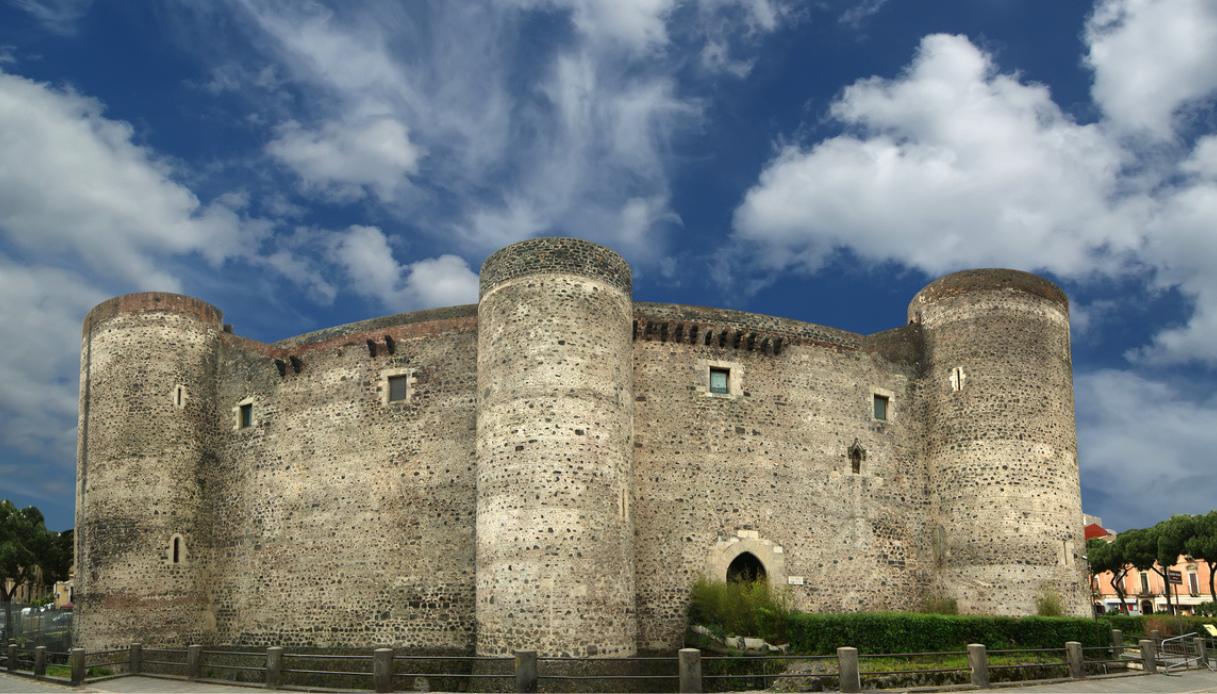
(382, 670)
(37, 626)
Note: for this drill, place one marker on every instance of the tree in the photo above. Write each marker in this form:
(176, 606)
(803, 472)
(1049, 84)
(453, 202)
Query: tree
(1203, 545)
(29, 553)
(1139, 547)
(1172, 536)
(1102, 556)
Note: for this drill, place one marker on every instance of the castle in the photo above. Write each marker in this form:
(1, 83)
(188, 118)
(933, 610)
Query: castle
(553, 467)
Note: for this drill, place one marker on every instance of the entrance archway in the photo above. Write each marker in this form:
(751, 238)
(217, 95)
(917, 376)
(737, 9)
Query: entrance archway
(1147, 607)
(746, 568)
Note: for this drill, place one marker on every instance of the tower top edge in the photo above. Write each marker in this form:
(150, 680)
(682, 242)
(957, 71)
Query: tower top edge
(556, 254)
(152, 302)
(988, 280)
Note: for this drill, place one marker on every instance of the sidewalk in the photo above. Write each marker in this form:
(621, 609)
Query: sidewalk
(10, 684)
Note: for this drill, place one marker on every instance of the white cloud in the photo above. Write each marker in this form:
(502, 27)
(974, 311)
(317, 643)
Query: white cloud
(57, 16)
(344, 159)
(951, 164)
(1151, 58)
(39, 362)
(365, 256)
(1142, 438)
(84, 190)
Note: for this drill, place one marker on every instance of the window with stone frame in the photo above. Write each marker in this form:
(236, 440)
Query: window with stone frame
(881, 404)
(720, 380)
(245, 416)
(398, 387)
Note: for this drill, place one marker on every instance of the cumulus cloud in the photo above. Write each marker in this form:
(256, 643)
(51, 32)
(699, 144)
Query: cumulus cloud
(367, 259)
(951, 164)
(1143, 438)
(1151, 58)
(85, 191)
(346, 159)
(39, 361)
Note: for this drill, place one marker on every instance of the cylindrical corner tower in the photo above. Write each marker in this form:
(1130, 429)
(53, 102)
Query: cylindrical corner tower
(147, 383)
(554, 451)
(1001, 441)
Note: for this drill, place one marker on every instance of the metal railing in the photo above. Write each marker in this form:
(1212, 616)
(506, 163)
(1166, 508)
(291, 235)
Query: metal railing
(383, 670)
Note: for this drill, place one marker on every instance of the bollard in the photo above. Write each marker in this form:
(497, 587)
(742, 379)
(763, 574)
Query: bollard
(40, 662)
(10, 657)
(382, 669)
(847, 666)
(1117, 643)
(76, 660)
(1073, 653)
(1202, 656)
(135, 658)
(526, 671)
(978, 660)
(274, 667)
(690, 669)
(1156, 636)
(1149, 655)
(194, 661)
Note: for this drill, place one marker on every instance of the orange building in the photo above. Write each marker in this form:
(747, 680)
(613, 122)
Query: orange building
(1145, 591)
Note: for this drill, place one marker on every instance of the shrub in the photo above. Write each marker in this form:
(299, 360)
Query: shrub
(1048, 604)
(899, 632)
(750, 608)
(940, 605)
(1207, 609)
(1141, 625)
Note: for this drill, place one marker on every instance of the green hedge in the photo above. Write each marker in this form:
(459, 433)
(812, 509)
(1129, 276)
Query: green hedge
(1168, 625)
(903, 632)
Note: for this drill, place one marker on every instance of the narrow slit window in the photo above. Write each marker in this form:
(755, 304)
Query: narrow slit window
(720, 381)
(881, 407)
(177, 550)
(397, 388)
(246, 415)
(179, 397)
(958, 377)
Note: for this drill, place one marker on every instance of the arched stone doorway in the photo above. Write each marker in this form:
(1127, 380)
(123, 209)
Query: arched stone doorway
(727, 551)
(1147, 607)
(746, 568)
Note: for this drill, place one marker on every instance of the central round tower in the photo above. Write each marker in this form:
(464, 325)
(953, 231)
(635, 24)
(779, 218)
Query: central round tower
(1001, 445)
(554, 451)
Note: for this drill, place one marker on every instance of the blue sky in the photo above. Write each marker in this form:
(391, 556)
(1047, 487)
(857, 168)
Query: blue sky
(302, 165)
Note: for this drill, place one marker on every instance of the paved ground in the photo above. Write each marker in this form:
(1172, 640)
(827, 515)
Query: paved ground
(10, 684)
(1191, 681)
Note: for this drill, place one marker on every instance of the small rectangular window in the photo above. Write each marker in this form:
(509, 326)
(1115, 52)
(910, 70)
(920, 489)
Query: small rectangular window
(247, 415)
(1144, 583)
(1193, 583)
(720, 381)
(397, 388)
(881, 402)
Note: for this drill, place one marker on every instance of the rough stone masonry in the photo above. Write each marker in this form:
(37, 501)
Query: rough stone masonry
(553, 468)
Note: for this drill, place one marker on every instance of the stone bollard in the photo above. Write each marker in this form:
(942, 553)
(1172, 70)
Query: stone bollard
(978, 660)
(76, 661)
(526, 671)
(1202, 655)
(274, 667)
(1156, 636)
(382, 669)
(690, 670)
(135, 658)
(847, 666)
(40, 662)
(194, 661)
(1149, 655)
(1117, 643)
(10, 657)
(1073, 653)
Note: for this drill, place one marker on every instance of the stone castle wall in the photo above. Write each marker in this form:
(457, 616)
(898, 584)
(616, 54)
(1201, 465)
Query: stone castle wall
(559, 473)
